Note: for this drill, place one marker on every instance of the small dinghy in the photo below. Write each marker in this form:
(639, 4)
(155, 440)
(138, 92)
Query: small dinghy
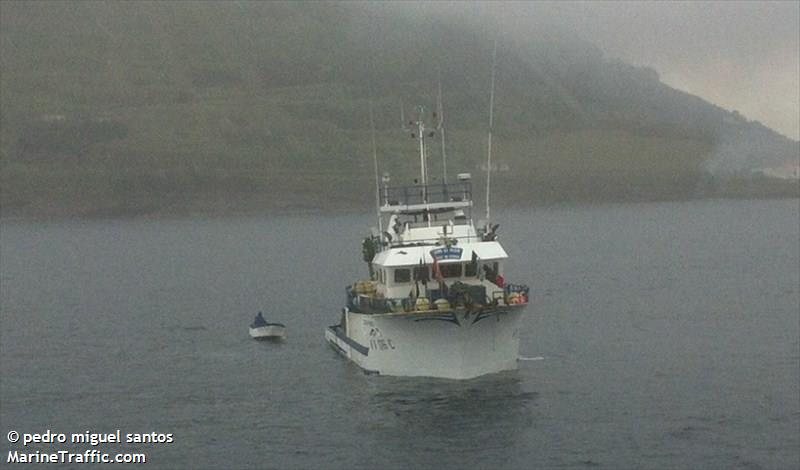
(261, 329)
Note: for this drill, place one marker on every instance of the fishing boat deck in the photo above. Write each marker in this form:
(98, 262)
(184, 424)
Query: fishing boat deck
(363, 297)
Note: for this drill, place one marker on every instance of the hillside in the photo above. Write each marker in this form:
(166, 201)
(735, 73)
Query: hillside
(139, 107)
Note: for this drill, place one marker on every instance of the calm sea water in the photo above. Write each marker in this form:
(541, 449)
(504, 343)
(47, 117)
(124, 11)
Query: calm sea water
(669, 334)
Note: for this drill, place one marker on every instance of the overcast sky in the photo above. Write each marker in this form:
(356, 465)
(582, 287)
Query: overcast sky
(741, 55)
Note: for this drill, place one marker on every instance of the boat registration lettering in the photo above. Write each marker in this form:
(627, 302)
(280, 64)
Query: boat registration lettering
(378, 341)
(381, 343)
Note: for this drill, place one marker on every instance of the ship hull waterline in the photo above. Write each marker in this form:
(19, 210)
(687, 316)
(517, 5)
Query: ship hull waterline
(268, 332)
(457, 344)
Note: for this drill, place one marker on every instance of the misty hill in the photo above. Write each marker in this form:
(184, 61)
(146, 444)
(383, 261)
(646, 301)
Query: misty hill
(134, 106)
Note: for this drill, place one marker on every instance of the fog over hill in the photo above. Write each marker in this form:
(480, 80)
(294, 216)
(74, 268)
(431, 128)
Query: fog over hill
(133, 107)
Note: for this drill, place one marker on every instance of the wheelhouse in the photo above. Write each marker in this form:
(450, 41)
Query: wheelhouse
(430, 255)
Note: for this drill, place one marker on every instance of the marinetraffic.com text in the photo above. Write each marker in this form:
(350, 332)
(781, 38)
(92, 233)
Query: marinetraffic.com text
(56, 440)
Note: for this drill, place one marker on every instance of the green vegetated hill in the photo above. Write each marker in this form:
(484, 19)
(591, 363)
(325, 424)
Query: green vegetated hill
(135, 107)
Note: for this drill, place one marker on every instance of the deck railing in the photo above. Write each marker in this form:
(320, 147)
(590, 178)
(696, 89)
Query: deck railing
(426, 194)
(472, 295)
(433, 242)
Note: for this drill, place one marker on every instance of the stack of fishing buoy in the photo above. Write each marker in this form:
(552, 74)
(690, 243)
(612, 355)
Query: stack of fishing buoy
(422, 304)
(365, 288)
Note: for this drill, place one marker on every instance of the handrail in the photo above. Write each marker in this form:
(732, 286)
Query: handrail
(426, 194)
(439, 241)
(465, 295)
(478, 236)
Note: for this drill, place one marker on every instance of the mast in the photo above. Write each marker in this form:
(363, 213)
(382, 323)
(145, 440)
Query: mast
(422, 156)
(491, 115)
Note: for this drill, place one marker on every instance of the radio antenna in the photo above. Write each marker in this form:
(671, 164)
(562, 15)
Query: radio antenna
(491, 116)
(440, 124)
(403, 117)
(375, 162)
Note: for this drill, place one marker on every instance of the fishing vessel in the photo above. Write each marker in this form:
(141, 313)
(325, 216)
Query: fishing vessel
(436, 302)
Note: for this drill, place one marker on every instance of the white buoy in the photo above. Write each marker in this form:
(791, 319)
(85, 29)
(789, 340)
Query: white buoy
(537, 358)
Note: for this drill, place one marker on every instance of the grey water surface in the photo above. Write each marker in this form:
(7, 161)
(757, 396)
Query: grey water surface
(669, 334)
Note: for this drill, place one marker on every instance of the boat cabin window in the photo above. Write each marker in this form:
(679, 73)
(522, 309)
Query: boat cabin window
(491, 271)
(450, 270)
(402, 275)
(471, 270)
(421, 272)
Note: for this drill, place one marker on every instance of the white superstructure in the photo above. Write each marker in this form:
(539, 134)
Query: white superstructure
(436, 302)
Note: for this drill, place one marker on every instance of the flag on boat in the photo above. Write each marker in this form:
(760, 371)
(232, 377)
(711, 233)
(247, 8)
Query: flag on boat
(437, 271)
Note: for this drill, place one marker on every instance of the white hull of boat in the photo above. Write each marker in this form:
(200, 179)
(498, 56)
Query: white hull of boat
(452, 345)
(268, 332)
